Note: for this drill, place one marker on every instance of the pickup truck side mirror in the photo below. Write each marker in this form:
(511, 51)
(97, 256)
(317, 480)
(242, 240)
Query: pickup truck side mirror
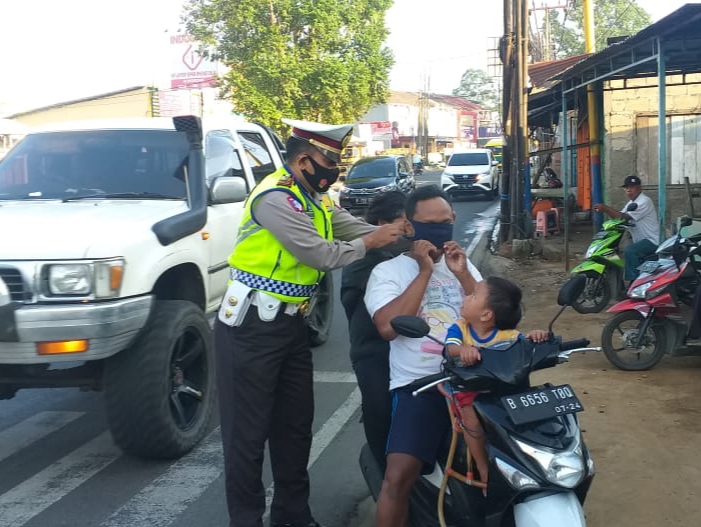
(228, 190)
(495, 163)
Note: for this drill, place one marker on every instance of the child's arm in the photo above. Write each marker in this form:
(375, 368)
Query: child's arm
(538, 335)
(455, 347)
(468, 354)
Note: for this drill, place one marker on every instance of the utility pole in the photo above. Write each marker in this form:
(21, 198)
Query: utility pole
(593, 116)
(547, 33)
(507, 48)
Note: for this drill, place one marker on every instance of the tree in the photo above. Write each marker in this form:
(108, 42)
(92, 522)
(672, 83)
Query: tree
(478, 87)
(612, 18)
(320, 60)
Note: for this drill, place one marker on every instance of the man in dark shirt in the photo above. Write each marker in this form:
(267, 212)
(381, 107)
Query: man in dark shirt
(369, 352)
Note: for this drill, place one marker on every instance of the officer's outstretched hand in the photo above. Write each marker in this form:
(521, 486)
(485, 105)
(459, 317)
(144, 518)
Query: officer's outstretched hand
(384, 235)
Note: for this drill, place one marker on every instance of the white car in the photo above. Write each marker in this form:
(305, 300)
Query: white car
(113, 250)
(471, 172)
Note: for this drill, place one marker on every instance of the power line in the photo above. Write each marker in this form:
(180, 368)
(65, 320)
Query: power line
(618, 19)
(562, 28)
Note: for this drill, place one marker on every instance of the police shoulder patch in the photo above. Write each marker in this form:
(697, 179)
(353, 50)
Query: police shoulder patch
(295, 204)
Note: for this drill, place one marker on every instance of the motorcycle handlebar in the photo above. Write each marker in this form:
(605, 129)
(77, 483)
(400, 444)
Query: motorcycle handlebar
(574, 344)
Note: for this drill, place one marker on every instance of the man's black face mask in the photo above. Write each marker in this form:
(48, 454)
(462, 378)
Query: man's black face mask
(322, 178)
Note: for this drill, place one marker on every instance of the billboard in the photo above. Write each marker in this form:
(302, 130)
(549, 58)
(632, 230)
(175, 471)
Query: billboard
(188, 68)
(468, 126)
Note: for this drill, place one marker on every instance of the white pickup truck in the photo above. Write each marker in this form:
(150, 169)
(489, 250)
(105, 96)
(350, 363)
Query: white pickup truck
(114, 238)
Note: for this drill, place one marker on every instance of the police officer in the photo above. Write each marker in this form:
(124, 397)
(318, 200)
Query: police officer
(290, 234)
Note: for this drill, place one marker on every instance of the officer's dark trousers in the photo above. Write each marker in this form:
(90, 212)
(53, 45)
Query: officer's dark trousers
(264, 376)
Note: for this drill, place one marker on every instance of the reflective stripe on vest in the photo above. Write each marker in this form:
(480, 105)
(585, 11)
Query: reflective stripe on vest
(265, 264)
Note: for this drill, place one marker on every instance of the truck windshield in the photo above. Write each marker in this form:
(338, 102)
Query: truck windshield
(62, 165)
(465, 159)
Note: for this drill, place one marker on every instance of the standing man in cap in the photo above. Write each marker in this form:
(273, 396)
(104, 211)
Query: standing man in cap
(290, 235)
(646, 230)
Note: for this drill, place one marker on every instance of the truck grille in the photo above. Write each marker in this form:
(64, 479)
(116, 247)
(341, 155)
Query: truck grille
(15, 283)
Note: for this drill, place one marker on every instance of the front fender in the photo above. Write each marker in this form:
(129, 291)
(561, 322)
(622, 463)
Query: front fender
(550, 510)
(630, 304)
(588, 265)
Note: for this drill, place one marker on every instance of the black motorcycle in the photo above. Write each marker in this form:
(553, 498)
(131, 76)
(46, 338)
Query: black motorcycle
(540, 469)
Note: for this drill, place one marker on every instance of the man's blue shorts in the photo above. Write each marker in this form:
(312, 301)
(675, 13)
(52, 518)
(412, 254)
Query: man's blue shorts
(419, 425)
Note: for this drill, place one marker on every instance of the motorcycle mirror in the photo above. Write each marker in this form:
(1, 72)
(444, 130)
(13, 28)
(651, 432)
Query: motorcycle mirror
(571, 290)
(632, 207)
(410, 326)
(685, 221)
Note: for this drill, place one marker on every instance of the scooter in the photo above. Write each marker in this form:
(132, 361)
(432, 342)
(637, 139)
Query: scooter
(603, 267)
(653, 320)
(540, 469)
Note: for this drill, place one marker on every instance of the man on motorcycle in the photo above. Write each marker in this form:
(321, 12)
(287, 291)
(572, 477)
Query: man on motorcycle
(646, 229)
(429, 281)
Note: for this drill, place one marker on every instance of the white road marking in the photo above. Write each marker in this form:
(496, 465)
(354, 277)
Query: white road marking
(170, 494)
(36, 494)
(21, 435)
(335, 376)
(323, 437)
(484, 224)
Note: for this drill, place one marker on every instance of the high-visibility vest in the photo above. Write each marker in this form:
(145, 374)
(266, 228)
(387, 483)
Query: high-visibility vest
(260, 261)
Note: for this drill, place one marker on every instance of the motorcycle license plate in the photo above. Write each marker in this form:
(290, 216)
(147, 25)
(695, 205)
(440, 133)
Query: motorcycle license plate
(537, 405)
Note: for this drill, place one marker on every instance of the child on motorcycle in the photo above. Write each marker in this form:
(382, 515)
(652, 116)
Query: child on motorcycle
(489, 315)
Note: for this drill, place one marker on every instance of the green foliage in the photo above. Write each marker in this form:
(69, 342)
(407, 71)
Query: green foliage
(612, 18)
(321, 60)
(478, 87)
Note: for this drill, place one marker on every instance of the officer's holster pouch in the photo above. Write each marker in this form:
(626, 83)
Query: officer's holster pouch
(235, 304)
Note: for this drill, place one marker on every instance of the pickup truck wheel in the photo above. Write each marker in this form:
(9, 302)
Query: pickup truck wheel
(160, 393)
(320, 315)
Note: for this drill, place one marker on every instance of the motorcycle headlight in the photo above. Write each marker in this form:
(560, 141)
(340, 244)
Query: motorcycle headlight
(591, 250)
(639, 291)
(102, 278)
(565, 469)
(646, 291)
(517, 479)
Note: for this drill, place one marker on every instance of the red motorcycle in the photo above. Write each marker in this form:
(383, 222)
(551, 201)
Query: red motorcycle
(655, 317)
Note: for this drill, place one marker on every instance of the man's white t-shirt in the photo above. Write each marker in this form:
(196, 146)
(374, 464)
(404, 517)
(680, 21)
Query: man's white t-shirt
(647, 226)
(411, 359)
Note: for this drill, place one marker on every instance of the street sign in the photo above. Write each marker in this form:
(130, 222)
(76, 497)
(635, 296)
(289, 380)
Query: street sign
(189, 69)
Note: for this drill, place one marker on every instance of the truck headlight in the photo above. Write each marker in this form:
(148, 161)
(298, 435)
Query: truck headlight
(70, 279)
(560, 468)
(102, 278)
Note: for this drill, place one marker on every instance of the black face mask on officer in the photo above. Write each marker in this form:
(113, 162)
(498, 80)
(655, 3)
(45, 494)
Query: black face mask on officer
(322, 178)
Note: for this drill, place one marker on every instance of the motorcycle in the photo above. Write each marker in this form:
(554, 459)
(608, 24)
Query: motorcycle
(603, 267)
(418, 169)
(653, 320)
(540, 469)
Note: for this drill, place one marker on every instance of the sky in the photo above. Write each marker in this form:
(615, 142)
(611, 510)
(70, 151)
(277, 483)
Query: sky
(53, 51)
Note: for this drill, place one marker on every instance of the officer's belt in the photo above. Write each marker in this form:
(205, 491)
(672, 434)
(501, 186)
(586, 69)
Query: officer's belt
(269, 285)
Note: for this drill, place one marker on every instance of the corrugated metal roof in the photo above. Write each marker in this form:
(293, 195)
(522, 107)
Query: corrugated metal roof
(76, 101)
(541, 72)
